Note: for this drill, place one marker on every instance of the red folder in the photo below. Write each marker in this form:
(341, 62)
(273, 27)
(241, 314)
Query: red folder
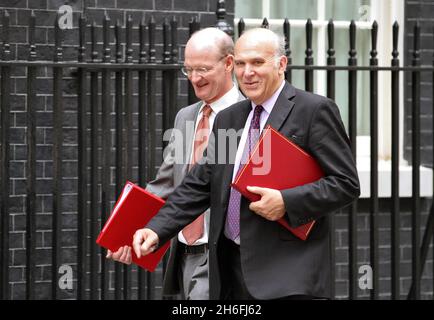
(134, 208)
(278, 163)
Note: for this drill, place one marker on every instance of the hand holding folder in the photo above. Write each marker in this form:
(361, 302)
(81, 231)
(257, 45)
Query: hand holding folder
(278, 163)
(133, 210)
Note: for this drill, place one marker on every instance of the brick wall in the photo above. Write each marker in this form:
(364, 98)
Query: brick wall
(384, 249)
(45, 11)
(422, 10)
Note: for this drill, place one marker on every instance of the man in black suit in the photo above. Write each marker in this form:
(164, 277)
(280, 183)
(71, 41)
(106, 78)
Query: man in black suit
(250, 255)
(208, 65)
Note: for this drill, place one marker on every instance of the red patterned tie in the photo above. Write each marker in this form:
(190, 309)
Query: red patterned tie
(194, 230)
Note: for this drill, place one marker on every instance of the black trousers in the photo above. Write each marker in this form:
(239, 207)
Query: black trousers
(233, 283)
(235, 286)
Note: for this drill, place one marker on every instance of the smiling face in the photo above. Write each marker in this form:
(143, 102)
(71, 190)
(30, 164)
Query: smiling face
(211, 85)
(258, 67)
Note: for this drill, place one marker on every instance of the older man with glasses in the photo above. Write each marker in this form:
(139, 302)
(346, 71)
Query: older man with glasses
(208, 66)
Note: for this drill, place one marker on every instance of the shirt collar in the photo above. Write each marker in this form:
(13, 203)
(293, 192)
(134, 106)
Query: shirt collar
(269, 103)
(228, 99)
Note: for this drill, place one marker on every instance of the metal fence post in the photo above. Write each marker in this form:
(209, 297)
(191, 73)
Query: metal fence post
(395, 212)
(31, 166)
(374, 164)
(57, 159)
(309, 57)
(415, 151)
(352, 128)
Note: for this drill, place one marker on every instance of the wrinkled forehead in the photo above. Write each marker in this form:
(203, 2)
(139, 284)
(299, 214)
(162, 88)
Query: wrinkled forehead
(250, 46)
(253, 52)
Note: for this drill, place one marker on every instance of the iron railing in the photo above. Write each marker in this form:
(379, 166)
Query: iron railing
(419, 253)
(98, 79)
(103, 77)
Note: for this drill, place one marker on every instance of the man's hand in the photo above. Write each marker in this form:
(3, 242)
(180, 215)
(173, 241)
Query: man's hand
(144, 242)
(271, 205)
(122, 255)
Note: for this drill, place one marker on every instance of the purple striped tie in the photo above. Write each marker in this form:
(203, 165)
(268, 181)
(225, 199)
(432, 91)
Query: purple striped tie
(232, 227)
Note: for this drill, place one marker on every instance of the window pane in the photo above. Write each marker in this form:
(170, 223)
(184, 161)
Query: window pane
(293, 9)
(337, 10)
(298, 54)
(296, 9)
(348, 10)
(248, 9)
(362, 47)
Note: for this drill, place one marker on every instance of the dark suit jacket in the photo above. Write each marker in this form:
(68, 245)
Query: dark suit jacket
(170, 175)
(274, 262)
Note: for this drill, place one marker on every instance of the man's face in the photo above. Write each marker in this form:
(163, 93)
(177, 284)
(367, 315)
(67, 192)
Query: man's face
(258, 70)
(208, 72)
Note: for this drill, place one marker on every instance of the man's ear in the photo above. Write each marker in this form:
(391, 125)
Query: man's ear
(229, 64)
(283, 62)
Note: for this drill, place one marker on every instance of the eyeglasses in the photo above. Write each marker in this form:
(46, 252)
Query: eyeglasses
(201, 71)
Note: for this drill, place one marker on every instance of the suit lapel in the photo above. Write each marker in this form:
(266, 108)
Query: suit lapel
(282, 108)
(239, 117)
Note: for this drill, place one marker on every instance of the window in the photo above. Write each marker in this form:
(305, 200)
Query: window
(320, 11)
(363, 12)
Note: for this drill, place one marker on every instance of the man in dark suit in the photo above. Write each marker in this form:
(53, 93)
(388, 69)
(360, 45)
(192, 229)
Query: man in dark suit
(208, 66)
(250, 255)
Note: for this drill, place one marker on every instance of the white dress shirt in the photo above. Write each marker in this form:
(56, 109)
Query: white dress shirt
(268, 107)
(225, 101)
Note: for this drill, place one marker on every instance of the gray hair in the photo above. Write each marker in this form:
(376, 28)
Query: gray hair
(278, 40)
(281, 50)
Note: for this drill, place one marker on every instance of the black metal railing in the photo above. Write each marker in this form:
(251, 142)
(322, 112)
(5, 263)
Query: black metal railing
(419, 251)
(109, 128)
(98, 78)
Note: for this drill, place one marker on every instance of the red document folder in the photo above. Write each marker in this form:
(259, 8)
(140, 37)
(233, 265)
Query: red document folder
(134, 208)
(278, 163)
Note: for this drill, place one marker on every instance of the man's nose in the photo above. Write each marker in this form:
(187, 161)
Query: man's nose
(248, 70)
(195, 76)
